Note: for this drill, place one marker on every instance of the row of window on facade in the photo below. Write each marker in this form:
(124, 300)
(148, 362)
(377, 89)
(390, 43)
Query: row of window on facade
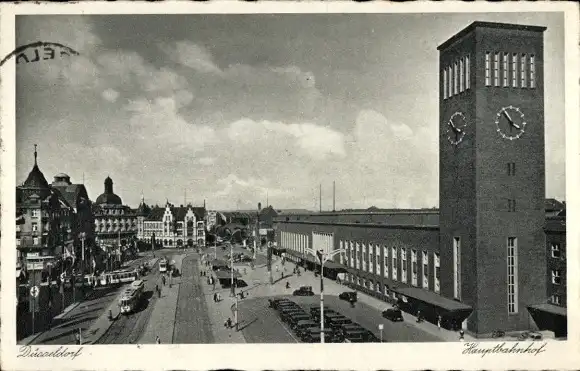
(510, 70)
(393, 263)
(112, 211)
(456, 77)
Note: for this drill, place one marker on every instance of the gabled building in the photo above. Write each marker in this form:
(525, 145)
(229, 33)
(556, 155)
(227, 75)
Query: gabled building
(49, 222)
(171, 226)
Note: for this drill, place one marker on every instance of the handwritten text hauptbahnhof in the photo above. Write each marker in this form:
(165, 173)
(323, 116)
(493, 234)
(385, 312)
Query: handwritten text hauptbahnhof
(533, 348)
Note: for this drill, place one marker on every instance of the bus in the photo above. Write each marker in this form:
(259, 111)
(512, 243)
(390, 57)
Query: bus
(130, 298)
(163, 265)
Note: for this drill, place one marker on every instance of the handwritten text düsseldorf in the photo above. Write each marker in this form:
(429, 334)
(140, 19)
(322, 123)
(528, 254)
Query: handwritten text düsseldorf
(60, 352)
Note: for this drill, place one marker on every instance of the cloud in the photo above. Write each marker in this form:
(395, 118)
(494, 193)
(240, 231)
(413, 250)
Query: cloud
(110, 95)
(191, 55)
(316, 141)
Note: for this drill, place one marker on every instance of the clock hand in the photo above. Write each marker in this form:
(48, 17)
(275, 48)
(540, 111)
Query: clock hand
(515, 125)
(507, 116)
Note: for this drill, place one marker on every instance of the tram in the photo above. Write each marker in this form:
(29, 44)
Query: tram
(130, 298)
(118, 277)
(163, 265)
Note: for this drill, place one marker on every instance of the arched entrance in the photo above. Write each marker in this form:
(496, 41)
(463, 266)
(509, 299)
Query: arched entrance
(190, 242)
(180, 243)
(170, 242)
(165, 243)
(200, 241)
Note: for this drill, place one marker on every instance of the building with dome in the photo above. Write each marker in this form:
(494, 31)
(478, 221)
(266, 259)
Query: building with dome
(115, 223)
(50, 220)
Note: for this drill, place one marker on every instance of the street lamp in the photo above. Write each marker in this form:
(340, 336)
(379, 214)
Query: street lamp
(323, 257)
(234, 296)
(82, 236)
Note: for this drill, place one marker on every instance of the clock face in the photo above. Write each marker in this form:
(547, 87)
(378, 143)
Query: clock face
(510, 123)
(456, 127)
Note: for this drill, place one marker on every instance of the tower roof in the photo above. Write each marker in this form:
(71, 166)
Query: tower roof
(35, 178)
(496, 25)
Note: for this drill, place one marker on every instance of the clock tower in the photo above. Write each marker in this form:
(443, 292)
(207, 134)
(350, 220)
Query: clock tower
(492, 173)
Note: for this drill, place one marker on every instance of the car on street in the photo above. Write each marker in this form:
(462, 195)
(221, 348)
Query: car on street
(316, 314)
(349, 296)
(354, 336)
(286, 314)
(312, 335)
(293, 319)
(393, 314)
(273, 303)
(285, 305)
(336, 323)
(303, 325)
(304, 291)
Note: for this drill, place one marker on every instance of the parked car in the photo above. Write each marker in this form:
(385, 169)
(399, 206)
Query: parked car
(337, 322)
(293, 319)
(350, 296)
(273, 303)
(393, 314)
(304, 325)
(303, 291)
(316, 309)
(312, 335)
(327, 313)
(282, 306)
(285, 314)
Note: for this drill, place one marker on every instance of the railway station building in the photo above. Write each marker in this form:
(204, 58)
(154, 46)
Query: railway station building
(492, 257)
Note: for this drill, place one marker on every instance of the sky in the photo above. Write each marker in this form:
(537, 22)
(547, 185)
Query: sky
(241, 109)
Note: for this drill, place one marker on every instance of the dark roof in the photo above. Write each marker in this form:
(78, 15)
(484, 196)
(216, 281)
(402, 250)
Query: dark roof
(550, 308)
(553, 204)
(109, 198)
(474, 25)
(71, 193)
(36, 179)
(432, 298)
(178, 212)
(156, 213)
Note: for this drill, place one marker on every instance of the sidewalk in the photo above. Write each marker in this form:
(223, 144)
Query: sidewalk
(162, 320)
(220, 311)
(258, 286)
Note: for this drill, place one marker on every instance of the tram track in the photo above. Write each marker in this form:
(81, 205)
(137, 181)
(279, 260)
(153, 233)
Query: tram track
(127, 329)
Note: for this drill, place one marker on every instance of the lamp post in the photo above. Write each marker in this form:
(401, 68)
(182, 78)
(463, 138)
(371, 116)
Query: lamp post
(82, 236)
(234, 296)
(323, 257)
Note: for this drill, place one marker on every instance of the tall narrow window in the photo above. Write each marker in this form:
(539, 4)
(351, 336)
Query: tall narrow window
(425, 274)
(512, 275)
(511, 168)
(487, 71)
(555, 250)
(461, 75)
(514, 70)
(505, 71)
(445, 85)
(532, 71)
(457, 268)
(523, 74)
(395, 264)
(556, 276)
(496, 69)
(450, 80)
(467, 73)
(414, 268)
(455, 79)
(404, 262)
(386, 258)
(437, 266)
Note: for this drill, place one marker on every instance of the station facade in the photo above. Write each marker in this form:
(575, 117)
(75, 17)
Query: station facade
(483, 261)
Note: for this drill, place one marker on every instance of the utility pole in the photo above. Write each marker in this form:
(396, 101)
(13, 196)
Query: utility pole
(333, 195)
(83, 262)
(320, 199)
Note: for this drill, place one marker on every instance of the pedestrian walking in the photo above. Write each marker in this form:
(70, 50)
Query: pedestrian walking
(213, 283)
(157, 340)
(219, 297)
(163, 279)
(461, 335)
(215, 297)
(439, 322)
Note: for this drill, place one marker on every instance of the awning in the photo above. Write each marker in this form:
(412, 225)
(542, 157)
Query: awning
(220, 275)
(362, 274)
(433, 299)
(550, 308)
